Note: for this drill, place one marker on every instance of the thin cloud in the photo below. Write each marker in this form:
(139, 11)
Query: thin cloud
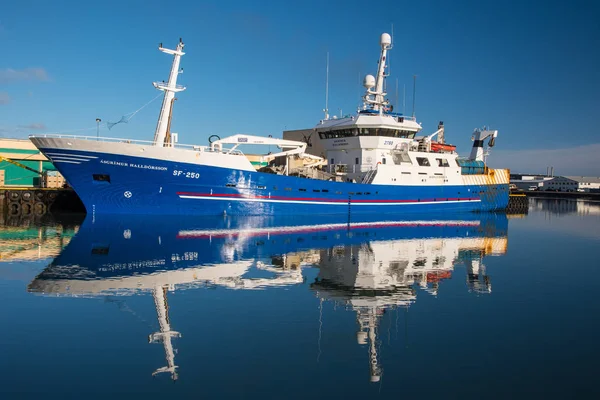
(9, 75)
(4, 98)
(580, 160)
(20, 131)
(33, 126)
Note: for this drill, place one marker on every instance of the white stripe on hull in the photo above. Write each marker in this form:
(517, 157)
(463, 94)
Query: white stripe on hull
(66, 161)
(70, 155)
(68, 158)
(337, 203)
(302, 228)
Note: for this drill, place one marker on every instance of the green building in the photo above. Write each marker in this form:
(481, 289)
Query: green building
(24, 152)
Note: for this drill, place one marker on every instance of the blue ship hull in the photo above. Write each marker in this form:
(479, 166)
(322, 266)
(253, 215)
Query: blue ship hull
(136, 185)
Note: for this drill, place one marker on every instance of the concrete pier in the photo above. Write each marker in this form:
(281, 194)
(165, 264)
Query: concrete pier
(38, 201)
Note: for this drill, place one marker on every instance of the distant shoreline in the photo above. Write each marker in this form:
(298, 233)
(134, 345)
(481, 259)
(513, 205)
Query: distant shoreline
(564, 195)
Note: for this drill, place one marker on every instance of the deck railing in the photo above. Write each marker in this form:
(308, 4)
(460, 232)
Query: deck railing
(205, 149)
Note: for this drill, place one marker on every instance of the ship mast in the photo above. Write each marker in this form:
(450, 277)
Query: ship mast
(386, 44)
(368, 320)
(170, 88)
(376, 97)
(166, 334)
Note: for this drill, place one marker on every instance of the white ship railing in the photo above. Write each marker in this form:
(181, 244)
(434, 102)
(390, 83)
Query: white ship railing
(353, 168)
(165, 85)
(205, 149)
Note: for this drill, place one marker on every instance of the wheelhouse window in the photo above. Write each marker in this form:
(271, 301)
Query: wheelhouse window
(442, 162)
(423, 162)
(349, 132)
(386, 132)
(339, 133)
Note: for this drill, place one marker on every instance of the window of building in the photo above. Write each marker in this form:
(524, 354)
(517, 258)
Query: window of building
(332, 161)
(423, 162)
(356, 160)
(383, 160)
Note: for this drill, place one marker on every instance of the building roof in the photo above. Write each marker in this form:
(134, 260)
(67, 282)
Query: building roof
(586, 179)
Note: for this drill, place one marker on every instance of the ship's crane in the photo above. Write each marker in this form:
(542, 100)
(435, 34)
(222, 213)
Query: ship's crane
(479, 136)
(294, 146)
(288, 147)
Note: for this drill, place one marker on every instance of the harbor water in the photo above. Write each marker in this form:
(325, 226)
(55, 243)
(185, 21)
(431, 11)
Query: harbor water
(443, 306)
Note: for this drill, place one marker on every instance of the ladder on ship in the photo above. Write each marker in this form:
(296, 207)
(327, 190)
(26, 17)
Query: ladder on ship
(369, 176)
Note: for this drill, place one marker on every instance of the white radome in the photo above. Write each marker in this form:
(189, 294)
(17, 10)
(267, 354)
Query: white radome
(386, 39)
(369, 81)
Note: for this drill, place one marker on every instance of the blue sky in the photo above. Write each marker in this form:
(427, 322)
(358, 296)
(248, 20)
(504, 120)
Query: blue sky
(529, 70)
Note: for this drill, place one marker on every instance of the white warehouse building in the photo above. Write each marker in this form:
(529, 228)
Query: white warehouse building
(572, 184)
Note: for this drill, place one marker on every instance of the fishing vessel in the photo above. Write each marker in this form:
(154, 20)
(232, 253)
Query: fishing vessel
(376, 160)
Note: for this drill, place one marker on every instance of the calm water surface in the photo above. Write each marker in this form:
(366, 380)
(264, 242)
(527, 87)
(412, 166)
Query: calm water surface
(469, 306)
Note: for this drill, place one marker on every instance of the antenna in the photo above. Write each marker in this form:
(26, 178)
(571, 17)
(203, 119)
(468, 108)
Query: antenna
(404, 99)
(396, 92)
(326, 111)
(358, 91)
(414, 93)
(389, 64)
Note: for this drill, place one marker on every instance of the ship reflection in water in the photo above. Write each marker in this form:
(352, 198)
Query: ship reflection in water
(366, 265)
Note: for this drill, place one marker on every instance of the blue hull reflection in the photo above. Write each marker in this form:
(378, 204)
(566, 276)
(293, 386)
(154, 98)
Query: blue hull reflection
(367, 264)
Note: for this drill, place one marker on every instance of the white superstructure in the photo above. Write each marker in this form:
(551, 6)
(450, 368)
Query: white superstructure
(382, 275)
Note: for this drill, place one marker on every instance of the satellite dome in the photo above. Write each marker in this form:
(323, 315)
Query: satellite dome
(369, 81)
(386, 39)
